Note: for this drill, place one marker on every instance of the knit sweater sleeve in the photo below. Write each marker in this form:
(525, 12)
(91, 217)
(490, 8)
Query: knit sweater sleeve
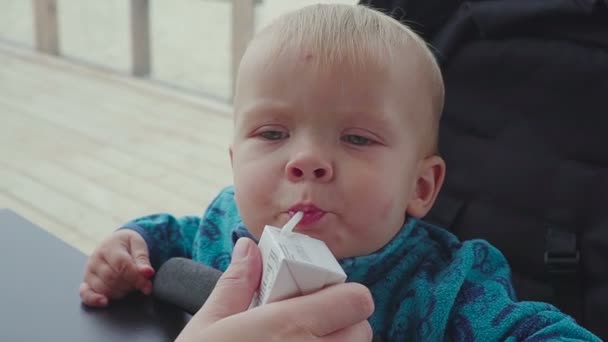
(166, 236)
(486, 308)
(206, 239)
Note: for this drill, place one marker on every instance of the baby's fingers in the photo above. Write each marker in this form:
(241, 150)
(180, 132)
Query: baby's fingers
(144, 276)
(144, 285)
(127, 275)
(139, 253)
(123, 266)
(145, 271)
(92, 298)
(117, 285)
(97, 284)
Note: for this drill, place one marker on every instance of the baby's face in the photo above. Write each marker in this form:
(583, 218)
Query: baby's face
(344, 147)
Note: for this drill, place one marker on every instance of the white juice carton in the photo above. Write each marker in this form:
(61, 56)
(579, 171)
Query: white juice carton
(294, 264)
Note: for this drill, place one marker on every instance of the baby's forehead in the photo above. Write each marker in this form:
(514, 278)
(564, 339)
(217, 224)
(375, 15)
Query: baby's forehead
(366, 66)
(352, 51)
(265, 61)
(367, 86)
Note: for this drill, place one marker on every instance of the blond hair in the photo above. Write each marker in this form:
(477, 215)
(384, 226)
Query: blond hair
(354, 35)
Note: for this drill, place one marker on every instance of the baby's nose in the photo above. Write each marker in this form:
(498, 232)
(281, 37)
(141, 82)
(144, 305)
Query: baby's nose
(309, 167)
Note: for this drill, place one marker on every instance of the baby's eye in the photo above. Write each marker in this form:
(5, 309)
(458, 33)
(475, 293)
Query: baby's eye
(357, 140)
(273, 135)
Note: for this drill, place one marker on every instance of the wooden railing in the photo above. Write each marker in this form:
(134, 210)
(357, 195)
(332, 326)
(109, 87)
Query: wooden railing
(47, 33)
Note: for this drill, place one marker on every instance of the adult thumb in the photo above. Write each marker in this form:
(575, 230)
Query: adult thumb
(235, 289)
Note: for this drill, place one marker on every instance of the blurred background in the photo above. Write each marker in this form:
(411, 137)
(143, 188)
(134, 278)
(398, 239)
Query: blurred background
(114, 109)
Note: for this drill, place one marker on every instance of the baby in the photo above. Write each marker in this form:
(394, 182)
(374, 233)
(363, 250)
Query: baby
(336, 114)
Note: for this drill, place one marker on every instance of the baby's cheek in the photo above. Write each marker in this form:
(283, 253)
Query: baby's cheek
(256, 227)
(385, 205)
(372, 201)
(253, 195)
(250, 185)
(252, 216)
(391, 215)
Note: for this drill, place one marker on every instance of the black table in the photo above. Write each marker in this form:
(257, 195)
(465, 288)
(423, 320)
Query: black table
(39, 280)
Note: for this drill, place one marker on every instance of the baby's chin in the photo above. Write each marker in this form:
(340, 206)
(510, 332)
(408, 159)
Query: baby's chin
(341, 246)
(339, 255)
(345, 252)
(342, 252)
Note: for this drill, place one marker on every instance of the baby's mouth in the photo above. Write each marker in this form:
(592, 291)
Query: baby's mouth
(312, 214)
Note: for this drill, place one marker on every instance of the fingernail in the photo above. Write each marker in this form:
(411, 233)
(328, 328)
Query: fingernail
(146, 270)
(241, 249)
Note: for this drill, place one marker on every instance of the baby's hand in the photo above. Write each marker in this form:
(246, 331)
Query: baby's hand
(119, 265)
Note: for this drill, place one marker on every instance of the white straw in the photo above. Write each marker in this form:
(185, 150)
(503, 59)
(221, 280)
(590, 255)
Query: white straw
(291, 224)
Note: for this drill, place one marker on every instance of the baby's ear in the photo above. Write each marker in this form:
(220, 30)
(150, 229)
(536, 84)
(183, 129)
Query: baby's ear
(431, 173)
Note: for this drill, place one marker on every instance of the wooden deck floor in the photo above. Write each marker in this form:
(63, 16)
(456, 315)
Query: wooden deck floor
(83, 151)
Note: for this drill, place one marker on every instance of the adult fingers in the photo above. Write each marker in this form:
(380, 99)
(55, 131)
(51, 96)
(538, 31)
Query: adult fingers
(360, 332)
(235, 289)
(328, 311)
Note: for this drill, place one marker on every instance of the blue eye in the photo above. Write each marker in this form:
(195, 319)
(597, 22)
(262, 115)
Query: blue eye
(273, 135)
(357, 140)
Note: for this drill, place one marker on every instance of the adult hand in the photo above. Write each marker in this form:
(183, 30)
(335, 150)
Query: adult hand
(336, 313)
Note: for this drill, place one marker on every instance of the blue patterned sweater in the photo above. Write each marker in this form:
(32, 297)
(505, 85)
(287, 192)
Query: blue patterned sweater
(426, 284)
